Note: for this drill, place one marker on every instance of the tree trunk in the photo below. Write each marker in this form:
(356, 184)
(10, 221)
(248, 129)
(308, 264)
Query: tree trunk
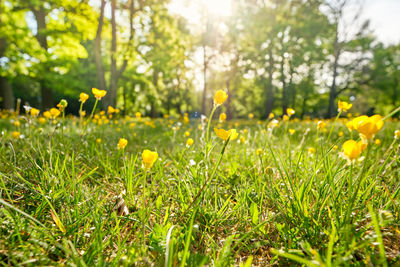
(111, 99)
(46, 92)
(285, 98)
(332, 92)
(268, 88)
(6, 93)
(229, 100)
(204, 100)
(97, 49)
(304, 105)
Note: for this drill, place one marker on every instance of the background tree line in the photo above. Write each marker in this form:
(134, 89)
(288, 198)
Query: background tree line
(269, 55)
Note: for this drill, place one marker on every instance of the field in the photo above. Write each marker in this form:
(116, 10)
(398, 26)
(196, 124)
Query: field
(284, 191)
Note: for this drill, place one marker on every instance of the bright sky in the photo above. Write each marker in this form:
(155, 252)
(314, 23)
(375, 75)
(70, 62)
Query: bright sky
(385, 19)
(384, 14)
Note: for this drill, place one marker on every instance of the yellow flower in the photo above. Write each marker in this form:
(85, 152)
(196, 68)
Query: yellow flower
(285, 117)
(350, 125)
(271, 115)
(321, 125)
(83, 113)
(290, 111)
(83, 97)
(34, 112)
(42, 120)
(17, 123)
(397, 134)
(223, 134)
(187, 133)
(311, 150)
(54, 113)
(110, 110)
(378, 141)
(138, 115)
(98, 140)
(368, 126)
(15, 135)
(259, 152)
(340, 134)
(99, 94)
(272, 124)
(222, 117)
(335, 147)
(292, 131)
(62, 105)
(122, 143)
(148, 158)
(186, 119)
(344, 106)
(242, 140)
(220, 97)
(251, 115)
(189, 142)
(353, 149)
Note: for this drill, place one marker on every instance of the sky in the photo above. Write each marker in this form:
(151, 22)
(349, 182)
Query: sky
(384, 15)
(385, 19)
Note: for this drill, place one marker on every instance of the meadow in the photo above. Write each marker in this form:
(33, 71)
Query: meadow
(105, 189)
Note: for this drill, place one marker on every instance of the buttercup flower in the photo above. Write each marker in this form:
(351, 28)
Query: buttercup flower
(378, 141)
(368, 126)
(311, 150)
(98, 140)
(63, 104)
(271, 115)
(83, 97)
(292, 131)
(223, 134)
(138, 115)
(222, 117)
(344, 106)
(187, 133)
(259, 151)
(220, 97)
(148, 158)
(321, 125)
(122, 143)
(54, 113)
(350, 125)
(397, 134)
(272, 124)
(99, 94)
(15, 135)
(290, 111)
(353, 149)
(285, 117)
(34, 112)
(251, 115)
(189, 142)
(110, 110)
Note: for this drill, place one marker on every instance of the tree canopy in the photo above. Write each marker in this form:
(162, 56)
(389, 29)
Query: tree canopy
(269, 55)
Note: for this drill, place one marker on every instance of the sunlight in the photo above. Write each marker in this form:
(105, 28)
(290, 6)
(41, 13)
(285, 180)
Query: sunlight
(191, 10)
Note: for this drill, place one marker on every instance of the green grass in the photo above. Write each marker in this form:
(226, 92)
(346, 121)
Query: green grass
(59, 195)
